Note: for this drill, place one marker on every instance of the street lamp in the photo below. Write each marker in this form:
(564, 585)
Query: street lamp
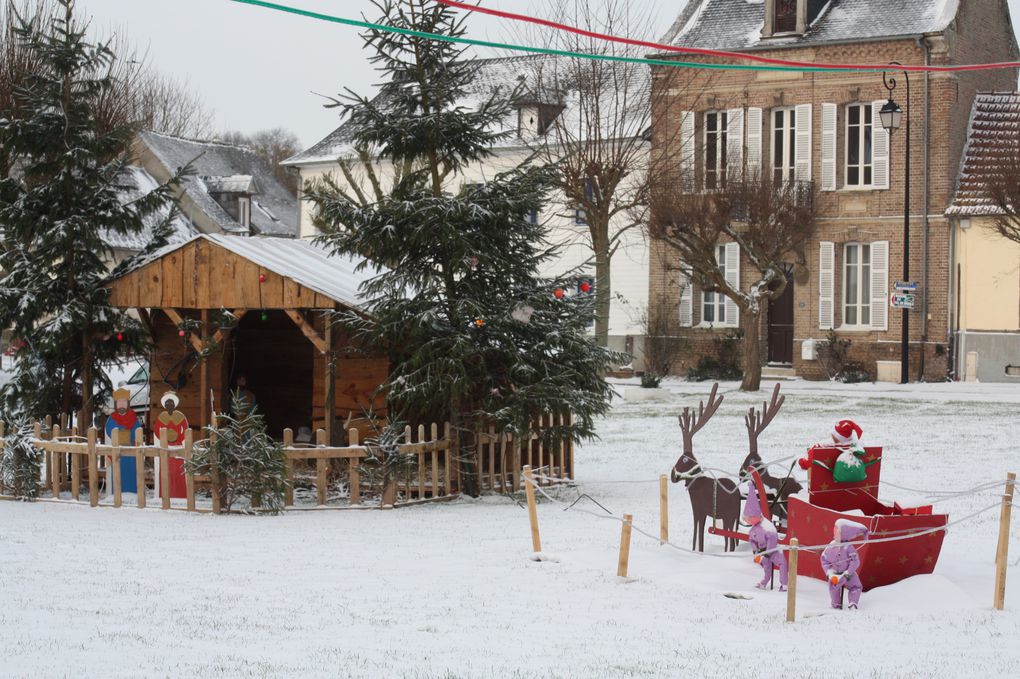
(892, 115)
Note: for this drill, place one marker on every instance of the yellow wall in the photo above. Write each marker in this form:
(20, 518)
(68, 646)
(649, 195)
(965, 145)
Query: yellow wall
(989, 278)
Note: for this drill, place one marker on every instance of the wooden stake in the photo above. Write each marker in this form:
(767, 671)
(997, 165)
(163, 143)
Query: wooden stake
(353, 439)
(93, 469)
(791, 590)
(529, 490)
(288, 491)
(189, 476)
(663, 509)
(621, 570)
(55, 461)
(214, 467)
(164, 470)
(321, 469)
(114, 471)
(1002, 552)
(140, 467)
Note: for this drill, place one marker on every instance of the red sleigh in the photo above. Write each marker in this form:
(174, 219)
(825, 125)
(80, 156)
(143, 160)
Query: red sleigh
(882, 562)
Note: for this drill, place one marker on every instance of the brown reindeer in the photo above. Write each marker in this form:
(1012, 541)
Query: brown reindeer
(719, 499)
(756, 421)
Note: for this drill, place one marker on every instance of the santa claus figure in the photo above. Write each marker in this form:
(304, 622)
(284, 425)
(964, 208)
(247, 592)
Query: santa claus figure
(840, 562)
(125, 421)
(764, 541)
(850, 466)
(172, 424)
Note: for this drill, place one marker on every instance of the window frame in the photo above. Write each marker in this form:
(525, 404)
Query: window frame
(863, 290)
(715, 300)
(788, 168)
(865, 151)
(720, 147)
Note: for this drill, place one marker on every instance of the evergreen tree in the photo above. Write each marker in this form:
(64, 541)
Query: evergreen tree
(66, 192)
(473, 331)
(21, 462)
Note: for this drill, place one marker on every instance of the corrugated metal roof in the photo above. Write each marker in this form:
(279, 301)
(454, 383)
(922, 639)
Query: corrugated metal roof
(994, 134)
(336, 277)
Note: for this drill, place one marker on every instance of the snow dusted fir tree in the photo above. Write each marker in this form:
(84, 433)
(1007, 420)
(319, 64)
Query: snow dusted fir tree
(21, 463)
(65, 193)
(474, 333)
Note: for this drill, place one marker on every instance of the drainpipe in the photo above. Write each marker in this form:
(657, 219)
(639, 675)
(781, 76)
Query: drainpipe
(926, 205)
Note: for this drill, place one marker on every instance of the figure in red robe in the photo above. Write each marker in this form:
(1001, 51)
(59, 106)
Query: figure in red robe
(174, 424)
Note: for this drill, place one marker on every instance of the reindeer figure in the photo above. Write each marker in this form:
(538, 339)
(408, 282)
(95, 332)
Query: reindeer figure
(718, 499)
(756, 421)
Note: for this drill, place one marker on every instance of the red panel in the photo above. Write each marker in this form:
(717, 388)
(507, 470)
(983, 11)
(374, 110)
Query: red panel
(825, 492)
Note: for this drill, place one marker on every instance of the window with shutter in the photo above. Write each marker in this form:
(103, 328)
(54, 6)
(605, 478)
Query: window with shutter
(735, 141)
(857, 285)
(880, 285)
(784, 144)
(828, 147)
(713, 304)
(859, 145)
(880, 148)
(686, 297)
(716, 126)
(826, 285)
(687, 150)
(733, 278)
(754, 138)
(802, 155)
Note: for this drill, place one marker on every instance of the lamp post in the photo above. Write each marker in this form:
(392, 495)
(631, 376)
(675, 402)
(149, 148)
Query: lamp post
(892, 115)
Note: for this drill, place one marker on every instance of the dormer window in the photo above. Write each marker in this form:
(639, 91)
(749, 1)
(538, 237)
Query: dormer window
(244, 211)
(785, 20)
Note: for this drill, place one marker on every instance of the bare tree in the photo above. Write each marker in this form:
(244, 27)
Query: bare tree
(1002, 183)
(274, 146)
(770, 221)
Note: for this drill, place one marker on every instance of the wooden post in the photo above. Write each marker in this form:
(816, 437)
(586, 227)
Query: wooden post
(791, 590)
(663, 509)
(3, 442)
(189, 475)
(353, 440)
(1002, 552)
(75, 476)
(55, 462)
(321, 469)
(47, 470)
(529, 491)
(114, 471)
(214, 468)
(203, 373)
(447, 467)
(93, 469)
(621, 570)
(330, 400)
(164, 470)
(288, 479)
(140, 467)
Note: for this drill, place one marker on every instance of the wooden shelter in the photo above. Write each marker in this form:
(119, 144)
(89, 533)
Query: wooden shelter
(219, 307)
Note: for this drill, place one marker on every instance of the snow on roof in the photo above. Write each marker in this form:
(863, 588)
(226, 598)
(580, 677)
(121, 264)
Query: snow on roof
(214, 162)
(737, 24)
(335, 276)
(137, 184)
(238, 183)
(534, 72)
(994, 132)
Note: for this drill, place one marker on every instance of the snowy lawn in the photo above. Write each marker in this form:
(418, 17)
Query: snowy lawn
(448, 590)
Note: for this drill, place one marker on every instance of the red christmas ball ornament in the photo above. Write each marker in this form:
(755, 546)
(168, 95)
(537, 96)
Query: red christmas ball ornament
(262, 278)
(479, 322)
(120, 337)
(559, 293)
(586, 287)
(181, 333)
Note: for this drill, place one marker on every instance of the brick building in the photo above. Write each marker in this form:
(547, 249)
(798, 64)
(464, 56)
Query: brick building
(824, 128)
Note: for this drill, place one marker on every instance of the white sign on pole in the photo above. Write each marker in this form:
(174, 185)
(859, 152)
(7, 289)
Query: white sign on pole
(902, 301)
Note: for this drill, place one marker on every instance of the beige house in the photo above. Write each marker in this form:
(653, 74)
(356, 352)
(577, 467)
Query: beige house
(985, 265)
(529, 128)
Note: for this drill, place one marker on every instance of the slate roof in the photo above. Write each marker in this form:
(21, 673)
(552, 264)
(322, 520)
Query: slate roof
(994, 133)
(141, 183)
(503, 72)
(274, 208)
(336, 277)
(737, 24)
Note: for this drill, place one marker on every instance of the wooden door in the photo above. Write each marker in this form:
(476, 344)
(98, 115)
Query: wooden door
(780, 333)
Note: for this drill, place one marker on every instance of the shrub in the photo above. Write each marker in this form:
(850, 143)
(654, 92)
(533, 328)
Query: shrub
(250, 463)
(651, 380)
(724, 364)
(839, 366)
(21, 463)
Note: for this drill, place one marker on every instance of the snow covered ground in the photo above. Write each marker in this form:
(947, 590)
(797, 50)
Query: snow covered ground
(449, 590)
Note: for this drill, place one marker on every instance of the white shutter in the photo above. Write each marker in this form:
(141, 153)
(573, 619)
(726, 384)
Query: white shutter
(879, 148)
(802, 157)
(826, 285)
(687, 150)
(880, 285)
(754, 132)
(686, 297)
(733, 279)
(734, 142)
(828, 147)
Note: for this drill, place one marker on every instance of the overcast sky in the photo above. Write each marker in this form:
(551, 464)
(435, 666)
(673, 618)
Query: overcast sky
(258, 68)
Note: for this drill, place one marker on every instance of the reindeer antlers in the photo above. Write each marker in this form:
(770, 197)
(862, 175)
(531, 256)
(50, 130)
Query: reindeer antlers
(757, 421)
(691, 424)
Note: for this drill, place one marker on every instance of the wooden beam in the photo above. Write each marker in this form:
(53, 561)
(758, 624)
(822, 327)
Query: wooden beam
(330, 403)
(222, 333)
(308, 330)
(176, 319)
(143, 315)
(203, 378)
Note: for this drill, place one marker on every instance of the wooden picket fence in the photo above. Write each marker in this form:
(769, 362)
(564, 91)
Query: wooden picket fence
(436, 473)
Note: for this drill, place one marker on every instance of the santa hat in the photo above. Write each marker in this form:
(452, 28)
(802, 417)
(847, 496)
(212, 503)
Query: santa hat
(121, 393)
(752, 506)
(847, 432)
(168, 396)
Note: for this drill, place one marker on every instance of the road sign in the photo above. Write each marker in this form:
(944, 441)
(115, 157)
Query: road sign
(902, 301)
(902, 286)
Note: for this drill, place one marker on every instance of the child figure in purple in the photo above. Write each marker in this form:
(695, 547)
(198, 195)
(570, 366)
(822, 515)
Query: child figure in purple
(841, 561)
(764, 541)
